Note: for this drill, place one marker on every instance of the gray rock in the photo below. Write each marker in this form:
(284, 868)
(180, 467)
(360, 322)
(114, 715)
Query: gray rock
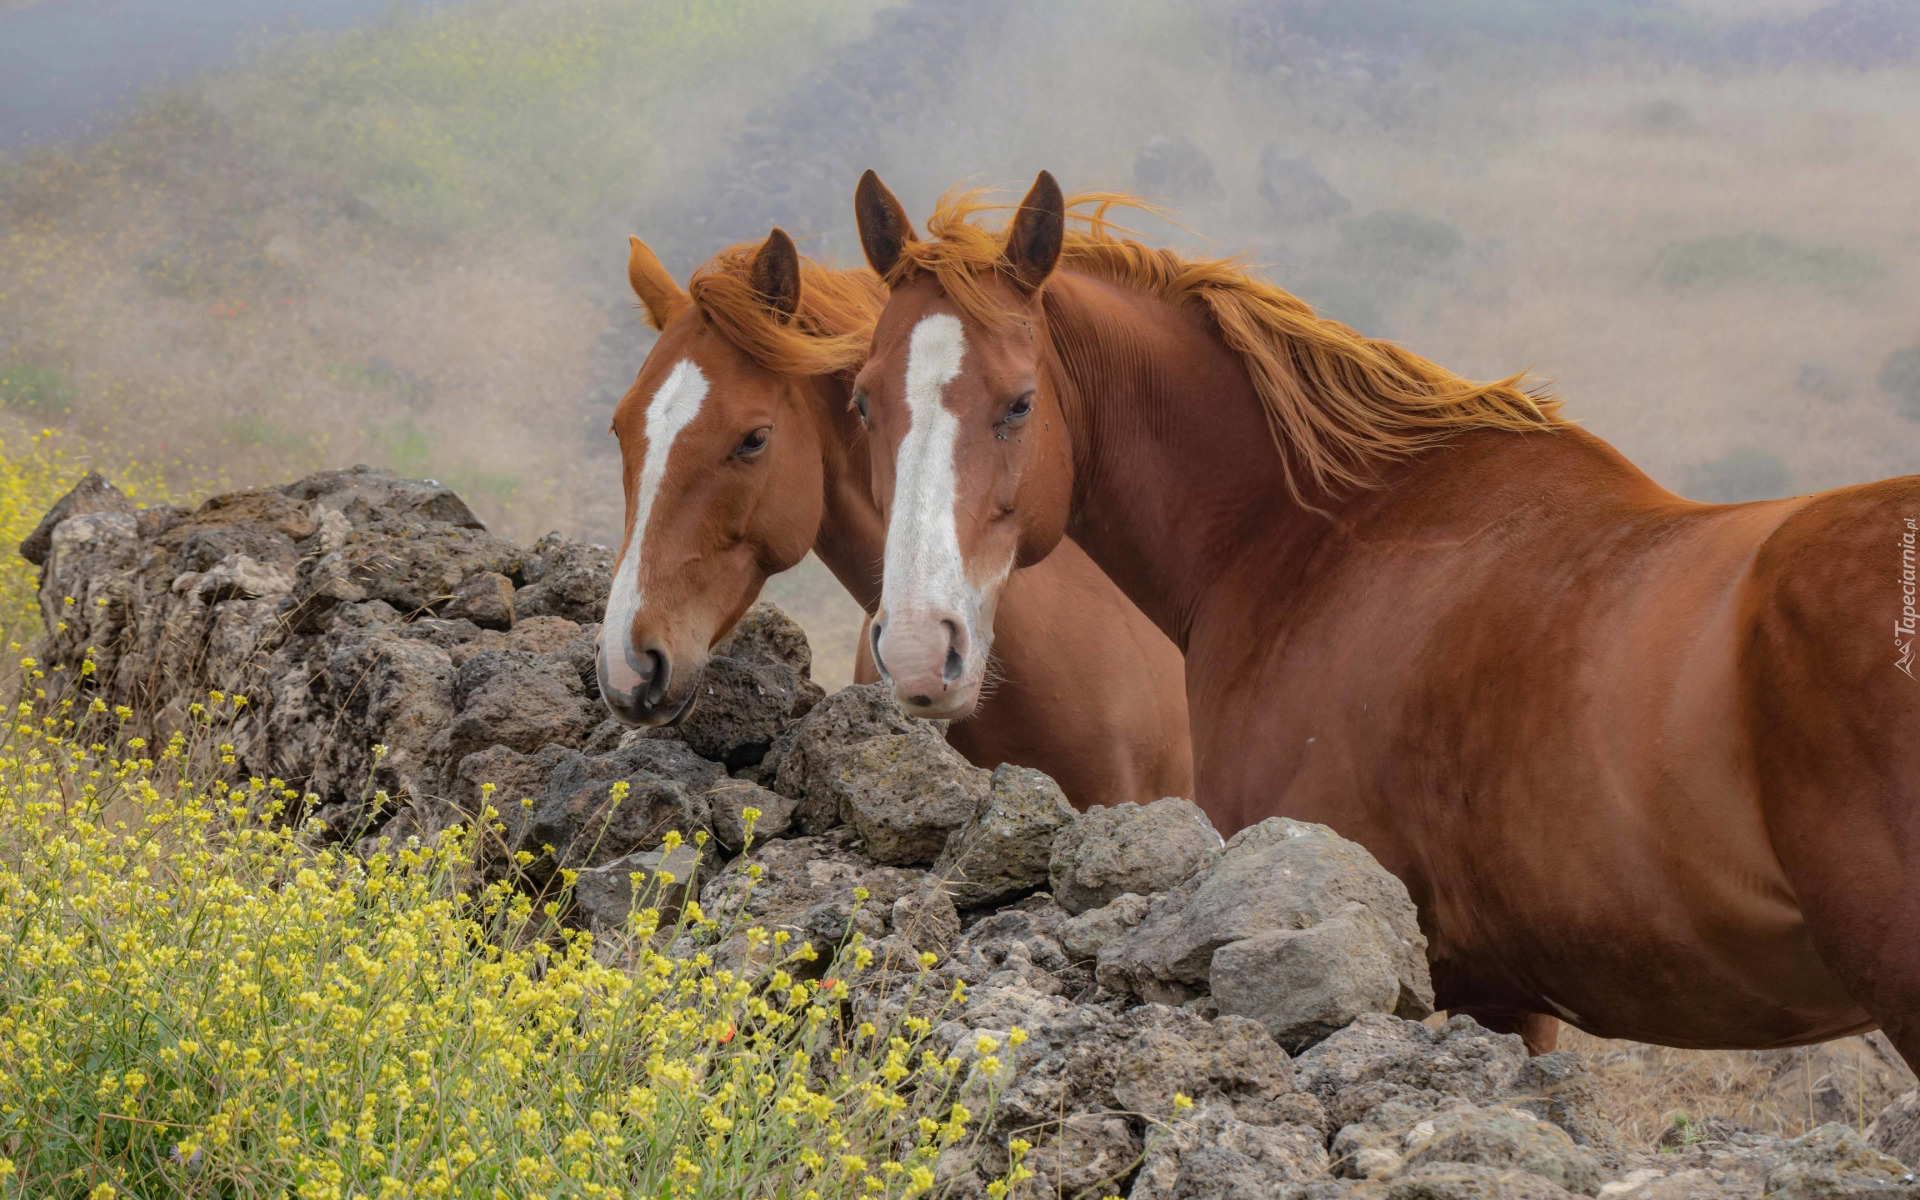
(92, 494)
(740, 706)
(806, 887)
(1381, 1060)
(519, 784)
(1106, 852)
(1228, 1059)
(1557, 1087)
(731, 799)
(485, 598)
(904, 794)
(1090, 1154)
(1213, 1153)
(1083, 936)
(1834, 1162)
(1003, 848)
(588, 823)
(765, 634)
(1303, 984)
(1502, 1138)
(515, 698)
(1457, 1181)
(803, 761)
(565, 578)
(1297, 192)
(1275, 876)
(1896, 1131)
(661, 879)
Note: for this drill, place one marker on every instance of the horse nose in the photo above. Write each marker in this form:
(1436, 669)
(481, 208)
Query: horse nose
(926, 659)
(633, 684)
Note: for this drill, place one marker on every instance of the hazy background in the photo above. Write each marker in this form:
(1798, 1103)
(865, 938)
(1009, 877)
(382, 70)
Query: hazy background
(244, 252)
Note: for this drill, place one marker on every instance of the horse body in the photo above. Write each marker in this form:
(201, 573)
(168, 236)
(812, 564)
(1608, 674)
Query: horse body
(1109, 728)
(1644, 764)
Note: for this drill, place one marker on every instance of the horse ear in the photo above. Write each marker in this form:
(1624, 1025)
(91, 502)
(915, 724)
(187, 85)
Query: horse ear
(884, 228)
(662, 297)
(1039, 230)
(776, 274)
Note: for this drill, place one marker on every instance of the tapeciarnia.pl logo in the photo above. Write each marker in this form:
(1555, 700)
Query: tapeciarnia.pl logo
(1905, 627)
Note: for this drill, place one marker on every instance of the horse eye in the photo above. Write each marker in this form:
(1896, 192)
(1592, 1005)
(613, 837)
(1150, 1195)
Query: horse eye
(754, 442)
(860, 404)
(1020, 408)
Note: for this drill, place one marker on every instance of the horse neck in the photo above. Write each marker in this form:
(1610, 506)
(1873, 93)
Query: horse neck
(1175, 472)
(852, 537)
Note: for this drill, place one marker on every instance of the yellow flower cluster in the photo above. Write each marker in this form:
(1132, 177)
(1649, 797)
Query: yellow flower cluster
(198, 1000)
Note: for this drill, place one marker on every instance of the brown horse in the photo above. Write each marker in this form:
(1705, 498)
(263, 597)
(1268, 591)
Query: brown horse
(741, 454)
(1647, 765)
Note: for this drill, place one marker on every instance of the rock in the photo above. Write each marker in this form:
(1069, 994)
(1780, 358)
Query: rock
(1297, 192)
(485, 598)
(1084, 935)
(740, 706)
(660, 879)
(1834, 1162)
(1003, 848)
(1105, 852)
(904, 794)
(517, 699)
(1279, 875)
(1503, 1139)
(1228, 1059)
(520, 782)
(806, 887)
(1896, 1131)
(765, 634)
(92, 494)
(803, 762)
(1303, 984)
(567, 579)
(732, 798)
(1090, 1153)
(1213, 1153)
(1171, 168)
(1557, 1087)
(1456, 1181)
(1380, 1060)
(596, 810)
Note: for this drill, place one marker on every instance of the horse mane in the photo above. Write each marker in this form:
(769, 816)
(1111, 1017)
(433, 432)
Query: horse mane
(829, 334)
(1338, 404)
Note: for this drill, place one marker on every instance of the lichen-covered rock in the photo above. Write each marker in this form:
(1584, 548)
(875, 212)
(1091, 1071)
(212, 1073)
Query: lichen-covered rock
(803, 761)
(1380, 1060)
(1834, 1162)
(904, 794)
(1277, 876)
(1106, 852)
(661, 878)
(1501, 1138)
(1213, 1152)
(92, 494)
(598, 809)
(1002, 849)
(1896, 1131)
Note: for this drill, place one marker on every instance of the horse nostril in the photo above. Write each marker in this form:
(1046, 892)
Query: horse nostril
(921, 701)
(951, 668)
(653, 674)
(879, 664)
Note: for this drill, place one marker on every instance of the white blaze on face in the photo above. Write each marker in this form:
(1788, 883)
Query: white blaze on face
(673, 408)
(923, 567)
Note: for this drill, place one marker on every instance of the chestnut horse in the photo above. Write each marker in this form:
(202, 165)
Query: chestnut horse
(741, 454)
(1647, 765)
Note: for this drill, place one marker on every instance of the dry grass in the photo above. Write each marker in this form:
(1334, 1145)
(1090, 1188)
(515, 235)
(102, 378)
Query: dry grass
(1645, 1088)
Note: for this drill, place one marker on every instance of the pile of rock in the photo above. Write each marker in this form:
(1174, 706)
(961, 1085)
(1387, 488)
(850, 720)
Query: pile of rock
(1276, 980)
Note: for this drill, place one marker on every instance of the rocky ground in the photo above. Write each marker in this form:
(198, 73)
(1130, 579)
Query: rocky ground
(1247, 1017)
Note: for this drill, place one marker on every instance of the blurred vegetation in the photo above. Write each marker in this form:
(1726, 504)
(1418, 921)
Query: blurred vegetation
(1900, 378)
(1759, 259)
(1742, 473)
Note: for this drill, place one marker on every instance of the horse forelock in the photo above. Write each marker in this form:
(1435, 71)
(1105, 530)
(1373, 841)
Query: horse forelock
(827, 336)
(1337, 403)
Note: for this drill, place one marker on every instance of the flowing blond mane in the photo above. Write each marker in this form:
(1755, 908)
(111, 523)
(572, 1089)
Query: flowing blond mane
(1338, 404)
(828, 336)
